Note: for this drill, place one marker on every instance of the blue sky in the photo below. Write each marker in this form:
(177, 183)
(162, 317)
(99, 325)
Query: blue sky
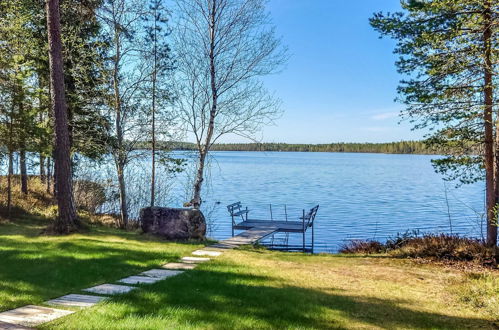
(340, 82)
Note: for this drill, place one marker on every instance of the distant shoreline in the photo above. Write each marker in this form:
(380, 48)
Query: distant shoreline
(401, 147)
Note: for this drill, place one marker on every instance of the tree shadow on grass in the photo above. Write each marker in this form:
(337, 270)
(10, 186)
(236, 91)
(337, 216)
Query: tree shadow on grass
(222, 297)
(43, 270)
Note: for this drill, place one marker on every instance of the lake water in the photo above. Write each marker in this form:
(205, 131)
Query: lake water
(361, 196)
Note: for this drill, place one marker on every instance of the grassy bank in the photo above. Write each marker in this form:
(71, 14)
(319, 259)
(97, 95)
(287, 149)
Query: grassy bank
(34, 267)
(241, 289)
(260, 289)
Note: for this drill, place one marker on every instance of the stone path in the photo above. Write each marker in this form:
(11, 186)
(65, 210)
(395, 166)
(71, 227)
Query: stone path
(23, 317)
(179, 265)
(76, 300)
(10, 326)
(194, 260)
(139, 280)
(160, 273)
(109, 289)
(201, 253)
(32, 315)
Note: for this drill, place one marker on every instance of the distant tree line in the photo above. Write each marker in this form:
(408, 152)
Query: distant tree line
(401, 147)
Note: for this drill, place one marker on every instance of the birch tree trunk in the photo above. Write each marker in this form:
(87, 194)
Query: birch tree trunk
(119, 157)
(203, 149)
(224, 48)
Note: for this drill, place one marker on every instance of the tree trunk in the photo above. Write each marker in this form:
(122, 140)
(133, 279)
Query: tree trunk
(54, 175)
(40, 118)
(490, 182)
(42, 168)
(22, 145)
(11, 163)
(153, 134)
(196, 196)
(67, 220)
(49, 175)
(120, 152)
(123, 201)
(23, 170)
(9, 183)
(204, 149)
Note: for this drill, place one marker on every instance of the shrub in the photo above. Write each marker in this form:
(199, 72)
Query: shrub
(444, 247)
(362, 247)
(36, 202)
(438, 247)
(400, 240)
(89, 195)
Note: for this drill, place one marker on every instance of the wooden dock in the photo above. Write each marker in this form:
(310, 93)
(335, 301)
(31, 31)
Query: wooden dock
(256, 229)
(281, 226)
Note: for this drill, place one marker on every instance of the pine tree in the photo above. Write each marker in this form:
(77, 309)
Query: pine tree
(156, 54)
(67, 219)
(447, 50)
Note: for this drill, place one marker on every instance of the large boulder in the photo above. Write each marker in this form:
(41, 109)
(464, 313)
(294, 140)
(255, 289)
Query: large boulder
(172, 223)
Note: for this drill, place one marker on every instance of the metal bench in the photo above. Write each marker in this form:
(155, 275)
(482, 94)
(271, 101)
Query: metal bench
(236, 211)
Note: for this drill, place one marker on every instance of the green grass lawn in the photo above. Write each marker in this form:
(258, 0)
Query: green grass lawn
(34, 267)
(239, 290)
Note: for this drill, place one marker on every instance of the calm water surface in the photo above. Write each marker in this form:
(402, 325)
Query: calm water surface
(361, 196)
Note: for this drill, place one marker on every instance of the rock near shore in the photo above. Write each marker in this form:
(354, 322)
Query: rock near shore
(173, 223)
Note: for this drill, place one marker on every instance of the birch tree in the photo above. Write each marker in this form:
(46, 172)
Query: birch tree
(121, 26)
(223, 49)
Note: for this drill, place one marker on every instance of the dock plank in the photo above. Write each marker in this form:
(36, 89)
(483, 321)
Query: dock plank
(284, 226)
(247, 237)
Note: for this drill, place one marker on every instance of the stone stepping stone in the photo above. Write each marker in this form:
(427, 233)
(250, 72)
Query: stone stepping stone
(32, 315)
(76, 300)
(206, 253)
(110, 289)
(10, 326)
(224, 246)
(139, 280)
(194, 260)
(179, 265)
(160, 273)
